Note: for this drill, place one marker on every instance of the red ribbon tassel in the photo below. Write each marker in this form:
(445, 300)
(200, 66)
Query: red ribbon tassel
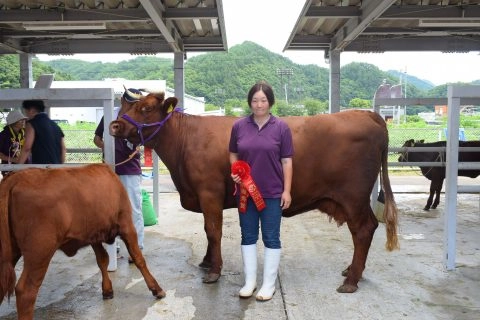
(247, 186)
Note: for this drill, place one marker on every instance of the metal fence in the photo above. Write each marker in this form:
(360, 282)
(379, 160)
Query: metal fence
(398, 136)
(81, 149)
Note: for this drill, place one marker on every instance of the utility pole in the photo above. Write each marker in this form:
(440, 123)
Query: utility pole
(405, 117)
(285, 72)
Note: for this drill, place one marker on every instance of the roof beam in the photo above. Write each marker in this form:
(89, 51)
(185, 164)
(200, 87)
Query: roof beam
(102, 15)
(333, 12)
(431, 11)
(440, 43)
(418, 31)
(168, 30)
(299, 42)
(214, 43)
(81, 33)
(10, 49)
(73, 46)
(371, 9)
(397, 12)
(190, 13)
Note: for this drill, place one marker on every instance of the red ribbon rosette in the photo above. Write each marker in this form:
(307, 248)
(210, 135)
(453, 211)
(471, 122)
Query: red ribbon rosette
(247, 186)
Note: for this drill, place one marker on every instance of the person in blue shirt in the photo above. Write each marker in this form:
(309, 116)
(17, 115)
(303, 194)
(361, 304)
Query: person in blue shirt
(265, 143)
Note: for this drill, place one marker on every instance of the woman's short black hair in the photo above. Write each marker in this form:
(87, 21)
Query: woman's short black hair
(35, 104)
(261, 86)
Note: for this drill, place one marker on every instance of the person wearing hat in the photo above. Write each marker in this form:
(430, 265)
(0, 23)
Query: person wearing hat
(44, 139)
(12, 138)
(128, 170)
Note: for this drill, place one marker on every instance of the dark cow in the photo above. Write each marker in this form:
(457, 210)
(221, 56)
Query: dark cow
(337, 160)
(437, 174)
(43, 210)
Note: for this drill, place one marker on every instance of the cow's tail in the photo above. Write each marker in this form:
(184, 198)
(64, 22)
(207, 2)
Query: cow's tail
(7, 271)
(390, 210)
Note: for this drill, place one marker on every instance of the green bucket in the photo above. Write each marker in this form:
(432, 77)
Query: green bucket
(149, 216)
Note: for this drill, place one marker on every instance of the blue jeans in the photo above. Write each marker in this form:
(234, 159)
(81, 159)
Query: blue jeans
(132, 184)
(269, 219)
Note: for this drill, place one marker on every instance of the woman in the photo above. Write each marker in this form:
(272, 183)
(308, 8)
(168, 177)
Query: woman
(265, 143)
(12, 138)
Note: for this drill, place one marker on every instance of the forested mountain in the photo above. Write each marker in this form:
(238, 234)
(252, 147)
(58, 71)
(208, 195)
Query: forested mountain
(222, 76)
(424, 85)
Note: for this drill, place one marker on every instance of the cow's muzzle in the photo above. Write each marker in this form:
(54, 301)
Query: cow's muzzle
(116, 128)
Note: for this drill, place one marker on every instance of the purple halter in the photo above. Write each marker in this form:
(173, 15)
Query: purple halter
(141, 126)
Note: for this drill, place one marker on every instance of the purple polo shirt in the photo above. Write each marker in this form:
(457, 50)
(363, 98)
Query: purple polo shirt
(263, 150)
(123, 149)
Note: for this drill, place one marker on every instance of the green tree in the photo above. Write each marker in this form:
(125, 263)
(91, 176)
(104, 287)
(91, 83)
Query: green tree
(358, 103)
(313, 107)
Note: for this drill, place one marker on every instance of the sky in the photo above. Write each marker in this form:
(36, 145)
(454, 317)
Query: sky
(270, 22)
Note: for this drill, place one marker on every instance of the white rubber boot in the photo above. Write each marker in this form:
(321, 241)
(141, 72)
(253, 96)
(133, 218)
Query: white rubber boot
(270, 272)
(249, 256)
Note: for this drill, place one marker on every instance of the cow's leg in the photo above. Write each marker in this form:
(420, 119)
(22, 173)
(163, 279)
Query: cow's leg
(438, 189)
(362, 230)
(35, 265)
(213, 222)
(129, 237)
(430, 197)
(102, 261)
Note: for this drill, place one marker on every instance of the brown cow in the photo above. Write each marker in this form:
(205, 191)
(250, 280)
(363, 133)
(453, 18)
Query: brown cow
(43, 210)
(337, 160)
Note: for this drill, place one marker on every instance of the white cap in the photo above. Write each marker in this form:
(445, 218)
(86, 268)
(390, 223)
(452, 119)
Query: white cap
(15, 116)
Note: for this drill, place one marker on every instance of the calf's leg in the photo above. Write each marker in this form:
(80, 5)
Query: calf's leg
(129, 237)
(35, 265)
(102, 261)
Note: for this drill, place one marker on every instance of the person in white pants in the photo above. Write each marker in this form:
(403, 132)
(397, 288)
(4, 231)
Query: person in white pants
(128, 169)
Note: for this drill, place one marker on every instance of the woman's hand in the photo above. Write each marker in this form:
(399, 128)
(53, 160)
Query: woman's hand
(286, 200)
(236, 178)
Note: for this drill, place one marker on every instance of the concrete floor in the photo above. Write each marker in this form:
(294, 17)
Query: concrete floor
(407, 284)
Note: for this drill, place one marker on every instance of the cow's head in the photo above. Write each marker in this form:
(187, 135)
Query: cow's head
(140, 121)
(408, 144)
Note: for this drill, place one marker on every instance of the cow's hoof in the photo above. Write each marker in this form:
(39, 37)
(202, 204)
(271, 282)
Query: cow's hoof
(160, 295)
(347, 288)
(205, 265)
(211, 278)
(426, 208)
(107, 296)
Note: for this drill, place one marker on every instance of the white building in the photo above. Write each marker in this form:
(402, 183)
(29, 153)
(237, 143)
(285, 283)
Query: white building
(193, 105)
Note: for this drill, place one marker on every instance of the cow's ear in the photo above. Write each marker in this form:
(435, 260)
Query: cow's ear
(160, 95)
(170, 104)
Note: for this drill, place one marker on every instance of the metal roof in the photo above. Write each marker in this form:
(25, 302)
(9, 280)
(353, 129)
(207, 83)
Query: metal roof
(66, 27)
(387, 25)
